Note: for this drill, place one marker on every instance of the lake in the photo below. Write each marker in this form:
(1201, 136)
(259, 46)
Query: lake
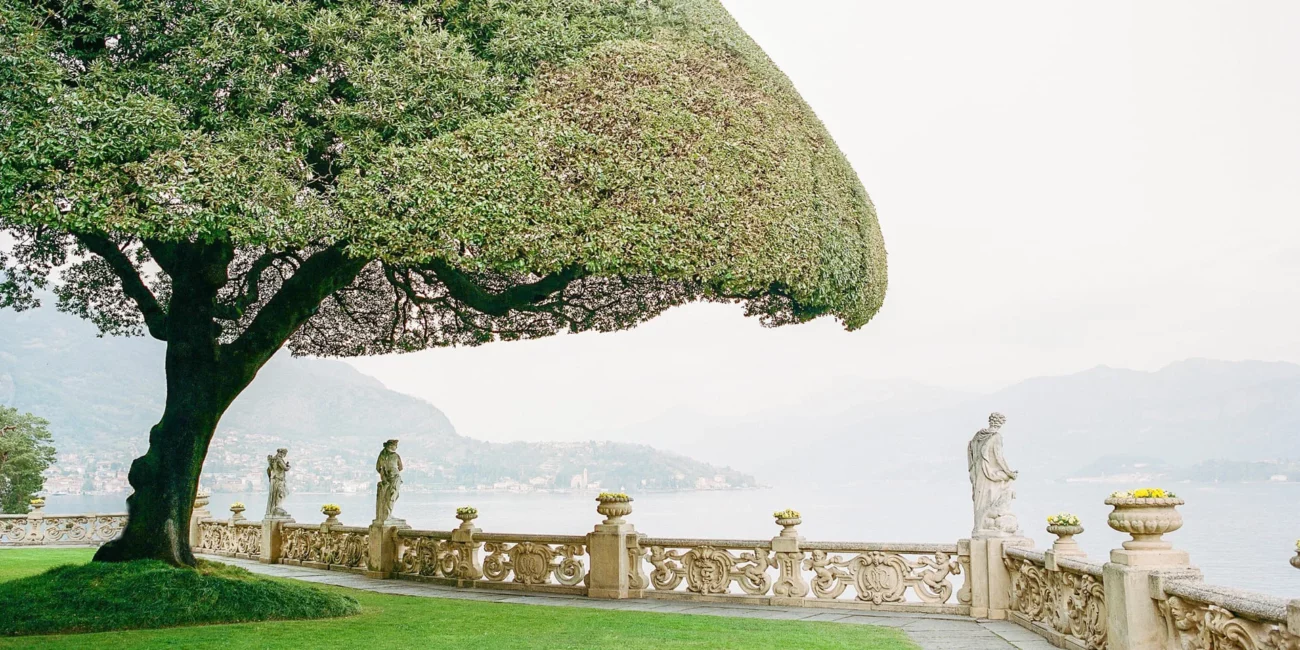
(1240, 534)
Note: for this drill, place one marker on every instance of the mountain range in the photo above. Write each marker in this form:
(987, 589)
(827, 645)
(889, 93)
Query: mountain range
(101, 396)
(1196, 413)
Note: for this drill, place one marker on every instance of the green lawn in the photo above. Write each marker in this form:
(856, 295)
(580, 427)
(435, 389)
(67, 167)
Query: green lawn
(404, 621)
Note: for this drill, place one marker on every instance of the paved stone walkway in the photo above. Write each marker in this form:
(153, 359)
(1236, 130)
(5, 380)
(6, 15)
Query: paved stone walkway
(931, 632)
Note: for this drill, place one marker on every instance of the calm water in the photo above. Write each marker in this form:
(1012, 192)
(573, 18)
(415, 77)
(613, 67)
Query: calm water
(1240, 535)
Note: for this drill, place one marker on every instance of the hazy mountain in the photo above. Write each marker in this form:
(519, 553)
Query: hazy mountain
(101, 395)
(1186, 413)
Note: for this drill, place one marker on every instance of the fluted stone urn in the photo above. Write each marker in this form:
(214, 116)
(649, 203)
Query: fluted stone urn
(331, 513)
(1065, 543)
(466, 516)
(1146, 519)
(614, 507)
(787, 520)
(237, 512)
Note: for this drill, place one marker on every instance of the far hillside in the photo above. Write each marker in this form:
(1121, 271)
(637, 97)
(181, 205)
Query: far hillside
(101, 395)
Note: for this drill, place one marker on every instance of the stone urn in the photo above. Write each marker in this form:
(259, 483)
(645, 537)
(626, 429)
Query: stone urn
(1065, 543)
(237, 512)
(201, 499)
(331, 513)
(1295, 559)
(787, 520)
(1146, 519)
(466, 516)
(37, 504)
(614, 507)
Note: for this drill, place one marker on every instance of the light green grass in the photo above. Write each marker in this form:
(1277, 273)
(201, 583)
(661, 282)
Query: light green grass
(408, 622)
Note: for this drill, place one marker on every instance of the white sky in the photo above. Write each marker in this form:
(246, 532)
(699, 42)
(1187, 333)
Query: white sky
(1061, 185)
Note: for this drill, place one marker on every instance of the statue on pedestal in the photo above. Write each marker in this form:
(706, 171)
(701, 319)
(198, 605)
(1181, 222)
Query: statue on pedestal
(992, 482)
(389, 466)
(276, 468)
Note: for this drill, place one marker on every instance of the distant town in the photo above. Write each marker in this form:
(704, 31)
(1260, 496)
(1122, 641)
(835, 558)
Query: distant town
(236, 463)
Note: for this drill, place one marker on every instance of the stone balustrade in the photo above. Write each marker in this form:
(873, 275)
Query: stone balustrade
(231, 538)
(888, 577)
(1206, 617)
(338, 548)
(1063, 599)
(37, 528)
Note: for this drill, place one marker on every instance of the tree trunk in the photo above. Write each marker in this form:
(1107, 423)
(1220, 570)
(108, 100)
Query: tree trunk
(166, 479)
(200, 386)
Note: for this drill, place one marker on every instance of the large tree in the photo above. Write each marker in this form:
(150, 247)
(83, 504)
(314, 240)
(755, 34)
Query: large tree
(25, 453)
(354, 177)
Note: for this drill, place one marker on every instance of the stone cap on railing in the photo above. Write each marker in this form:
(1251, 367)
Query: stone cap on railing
(1076, 565)
(716, 543)
(950, 549)
(1025, 553)
(1246, 604)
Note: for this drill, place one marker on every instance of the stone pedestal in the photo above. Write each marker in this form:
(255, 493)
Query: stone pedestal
(790, 587)
(383, 549)
(609, 575)
(197, 514)
(272, 532)
(990, 580)
(36, 524)
(1132, 583)
(1293, 616)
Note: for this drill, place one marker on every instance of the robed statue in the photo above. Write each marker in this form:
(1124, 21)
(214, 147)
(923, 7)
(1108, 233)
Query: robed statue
(390, 468)
(992, 482)
(276, 468)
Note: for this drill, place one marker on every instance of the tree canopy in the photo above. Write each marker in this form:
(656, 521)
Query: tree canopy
(25, 452)
(606, 159)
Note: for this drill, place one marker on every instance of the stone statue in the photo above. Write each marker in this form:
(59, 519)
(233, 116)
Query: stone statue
(276, 467)
(390, 468)
(992, 482)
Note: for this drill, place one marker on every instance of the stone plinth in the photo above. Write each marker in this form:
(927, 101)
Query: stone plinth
(609, 573)
(990, 580)
(272, 539)
(383, 550)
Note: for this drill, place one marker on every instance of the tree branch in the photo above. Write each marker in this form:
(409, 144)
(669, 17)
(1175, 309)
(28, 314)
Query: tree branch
(132, 284)
(464, 289)
(319, 276)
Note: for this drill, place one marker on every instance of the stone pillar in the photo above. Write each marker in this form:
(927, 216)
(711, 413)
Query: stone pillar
(610, 572)
(468, 565)
(790, 587)
(272, 538)
(198, 514)
(990, 581)
(383, 550)
(35, 522)
(1132, 579)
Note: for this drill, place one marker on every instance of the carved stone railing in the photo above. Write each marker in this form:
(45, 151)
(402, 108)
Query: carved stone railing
(1205, 617)
(1062, 599)
(892, 577)
(471, 558)
(325, 547)
(39, 529)
(231, 538)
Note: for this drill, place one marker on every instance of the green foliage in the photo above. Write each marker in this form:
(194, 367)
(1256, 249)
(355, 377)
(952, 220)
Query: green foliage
(25, 452)
(150, 594)
(646, 151)
(406, 622)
